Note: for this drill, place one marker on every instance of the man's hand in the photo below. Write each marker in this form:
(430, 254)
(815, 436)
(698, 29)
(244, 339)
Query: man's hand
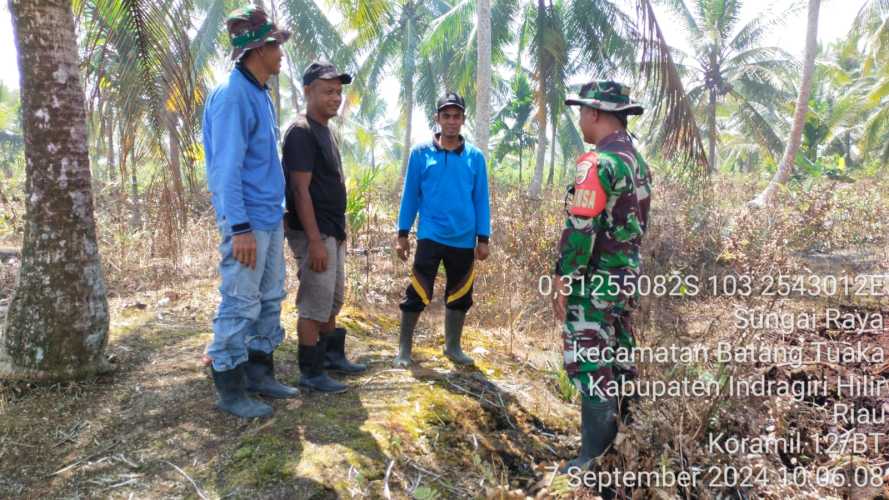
(403, 248)
(317, 256)
(481, 251)
(244, 249)
(560, 302)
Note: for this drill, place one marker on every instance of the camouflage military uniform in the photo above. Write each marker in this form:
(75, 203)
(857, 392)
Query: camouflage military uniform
(599, 255)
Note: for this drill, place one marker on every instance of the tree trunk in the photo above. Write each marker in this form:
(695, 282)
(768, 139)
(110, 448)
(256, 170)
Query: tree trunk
(123, 147)
(711, 134)
(536, 181)
(294, 83)
(534, 189)
(521, 150)
(109, 152)
(766, 197)
(409, 68)
(176, 164)
(483, 76)
(275, 80)
(552, 150)
(564, 170)
(135, 206)
(57, 324)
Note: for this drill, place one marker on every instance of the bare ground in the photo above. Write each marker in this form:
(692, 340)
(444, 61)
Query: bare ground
(151, 430)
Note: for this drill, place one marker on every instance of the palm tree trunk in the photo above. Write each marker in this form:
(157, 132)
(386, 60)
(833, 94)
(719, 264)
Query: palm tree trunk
(109, 151)
(521, 150)
(57, 323)
(484, 76)
(135, 206)
(408, 119)
(766, 197)
(536, 181)
(294, 94)
(409, 68)
(711, 134)
(564, 171)
(176, 164)
(552, 150)
(275, 80)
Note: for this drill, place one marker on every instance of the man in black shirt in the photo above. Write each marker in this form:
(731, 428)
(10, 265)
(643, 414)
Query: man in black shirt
(316, 228)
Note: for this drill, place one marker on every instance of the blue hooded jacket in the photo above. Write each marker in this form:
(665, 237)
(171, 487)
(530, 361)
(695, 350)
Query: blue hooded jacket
(244, 171)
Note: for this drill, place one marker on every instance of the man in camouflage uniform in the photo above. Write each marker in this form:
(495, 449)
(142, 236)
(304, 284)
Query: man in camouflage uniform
(599, 256)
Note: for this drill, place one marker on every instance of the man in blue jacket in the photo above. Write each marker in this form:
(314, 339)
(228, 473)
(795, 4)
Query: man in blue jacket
(247, 185)
(447, 184)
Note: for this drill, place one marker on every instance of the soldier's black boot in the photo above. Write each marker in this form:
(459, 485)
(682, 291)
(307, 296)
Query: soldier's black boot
(260, 372)
(453, 332)
(406, 338)
(311, 367)
(335, 353)
(598, 428)
(233, 398)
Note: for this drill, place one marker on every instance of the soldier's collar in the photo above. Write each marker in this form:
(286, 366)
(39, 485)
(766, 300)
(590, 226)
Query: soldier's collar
(616, 136)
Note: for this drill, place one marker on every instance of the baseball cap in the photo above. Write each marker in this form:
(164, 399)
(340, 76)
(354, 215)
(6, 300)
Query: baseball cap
(451, 99)
(324, 70)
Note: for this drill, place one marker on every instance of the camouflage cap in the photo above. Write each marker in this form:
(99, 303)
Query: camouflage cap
(249, 27)
(607, 96)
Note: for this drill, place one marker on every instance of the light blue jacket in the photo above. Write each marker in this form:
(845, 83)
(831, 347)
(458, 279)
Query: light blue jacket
(449, 190)
(244, 171)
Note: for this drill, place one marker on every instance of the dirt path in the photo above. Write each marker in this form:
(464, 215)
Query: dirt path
(151, 429)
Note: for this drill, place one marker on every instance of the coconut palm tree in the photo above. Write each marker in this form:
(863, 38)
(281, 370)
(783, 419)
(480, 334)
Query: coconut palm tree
(484, 74)
(730, 62)
(871, 27)
(57, 323)
(785, 168)
(450, 54)
(389, 34)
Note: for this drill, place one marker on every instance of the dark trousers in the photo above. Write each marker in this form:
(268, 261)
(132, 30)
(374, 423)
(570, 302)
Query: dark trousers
(458, 264)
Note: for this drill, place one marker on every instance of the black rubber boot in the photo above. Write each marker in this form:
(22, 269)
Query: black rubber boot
(598, 428)
(453, 332)
(260, 372)
(335, 354)
(233, 398)
(311, 367)
(406, 338)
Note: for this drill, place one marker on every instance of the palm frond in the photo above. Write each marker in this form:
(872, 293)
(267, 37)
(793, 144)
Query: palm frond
(679, 132)
(314, 36)
(755, 125)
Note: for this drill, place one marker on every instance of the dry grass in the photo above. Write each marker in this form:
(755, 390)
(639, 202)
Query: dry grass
(827, 228)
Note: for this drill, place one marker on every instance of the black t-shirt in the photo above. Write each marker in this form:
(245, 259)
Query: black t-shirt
(311, 147)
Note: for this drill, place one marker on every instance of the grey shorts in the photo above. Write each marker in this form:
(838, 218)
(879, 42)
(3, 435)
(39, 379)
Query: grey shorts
(320, 295)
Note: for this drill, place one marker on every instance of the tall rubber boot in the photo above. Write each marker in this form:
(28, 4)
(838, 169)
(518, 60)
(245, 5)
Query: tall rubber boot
(335, 354)
(598, 428)
(233, 398)
(453, 333)
(406, 338)
(260, 372)
(311, 367)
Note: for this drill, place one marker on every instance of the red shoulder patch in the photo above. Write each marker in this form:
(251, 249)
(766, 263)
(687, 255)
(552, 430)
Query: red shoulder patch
(589, 196)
